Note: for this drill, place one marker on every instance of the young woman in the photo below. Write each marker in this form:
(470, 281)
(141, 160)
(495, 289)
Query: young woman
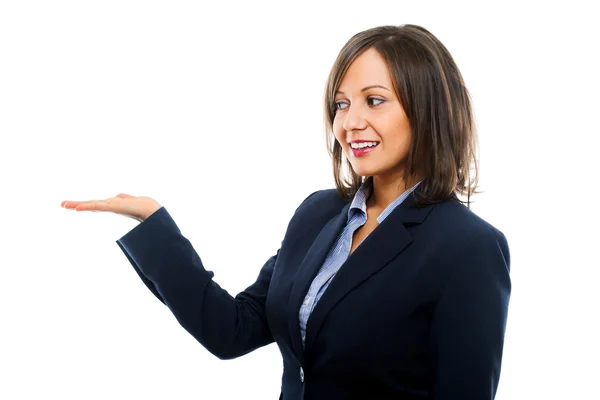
(387, 287)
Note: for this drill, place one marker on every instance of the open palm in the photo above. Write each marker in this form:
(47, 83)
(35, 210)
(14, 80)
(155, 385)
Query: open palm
(138, 208)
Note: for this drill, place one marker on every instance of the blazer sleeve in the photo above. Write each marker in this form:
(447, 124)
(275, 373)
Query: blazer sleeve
(167, 263)
(468, 326)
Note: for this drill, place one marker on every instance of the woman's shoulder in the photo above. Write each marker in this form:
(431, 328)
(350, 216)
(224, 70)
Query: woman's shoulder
(326, 199)
(454, 219)
(320, 206)
(454, 232)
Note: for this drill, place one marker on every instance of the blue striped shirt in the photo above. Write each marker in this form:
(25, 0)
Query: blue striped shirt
(357, 216)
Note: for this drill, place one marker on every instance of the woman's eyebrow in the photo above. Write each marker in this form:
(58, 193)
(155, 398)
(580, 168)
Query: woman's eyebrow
(367, 88)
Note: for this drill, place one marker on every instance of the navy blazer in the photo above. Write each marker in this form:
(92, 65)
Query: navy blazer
(418, 310)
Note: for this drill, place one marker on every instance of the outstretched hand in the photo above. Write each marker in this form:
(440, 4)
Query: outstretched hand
(138, 208)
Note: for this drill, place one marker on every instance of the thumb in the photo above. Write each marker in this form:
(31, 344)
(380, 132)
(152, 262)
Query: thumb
(124, 196)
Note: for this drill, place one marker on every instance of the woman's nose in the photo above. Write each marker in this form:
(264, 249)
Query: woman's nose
(354, 119)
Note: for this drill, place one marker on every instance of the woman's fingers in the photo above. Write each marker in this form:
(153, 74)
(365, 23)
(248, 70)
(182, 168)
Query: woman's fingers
(99, 205)
(92, 205)
(71, 204)
(138, 208)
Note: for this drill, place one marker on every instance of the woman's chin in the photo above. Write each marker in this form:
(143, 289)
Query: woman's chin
(364, 172)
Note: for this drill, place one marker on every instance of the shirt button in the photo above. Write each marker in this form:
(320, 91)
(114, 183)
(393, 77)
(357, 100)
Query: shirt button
(301, 375)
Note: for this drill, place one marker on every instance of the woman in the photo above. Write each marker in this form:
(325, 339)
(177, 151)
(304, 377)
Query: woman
(388, 287)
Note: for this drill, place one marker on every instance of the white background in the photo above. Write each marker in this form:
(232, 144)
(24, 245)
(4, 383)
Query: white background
(215, 111)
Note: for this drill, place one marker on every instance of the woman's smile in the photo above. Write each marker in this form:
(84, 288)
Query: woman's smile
(360, 148)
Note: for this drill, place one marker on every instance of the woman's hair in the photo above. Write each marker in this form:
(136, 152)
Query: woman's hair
(434, 97)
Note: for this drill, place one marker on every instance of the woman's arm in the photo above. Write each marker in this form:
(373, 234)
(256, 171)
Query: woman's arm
(228, 327)
(467, 332)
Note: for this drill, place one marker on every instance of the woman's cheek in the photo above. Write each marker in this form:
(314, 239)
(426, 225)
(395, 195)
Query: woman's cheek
(337, 133)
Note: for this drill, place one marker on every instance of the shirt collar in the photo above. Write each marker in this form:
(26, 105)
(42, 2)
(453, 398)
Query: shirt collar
(359, 202)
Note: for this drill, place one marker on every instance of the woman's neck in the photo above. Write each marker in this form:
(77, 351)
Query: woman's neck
(384, 191)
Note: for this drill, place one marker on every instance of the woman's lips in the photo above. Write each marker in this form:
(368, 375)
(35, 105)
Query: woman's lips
(363, 151)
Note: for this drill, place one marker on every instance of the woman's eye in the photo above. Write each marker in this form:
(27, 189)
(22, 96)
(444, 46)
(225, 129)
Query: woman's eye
(371, 101)
(374, 100)
(340, 105)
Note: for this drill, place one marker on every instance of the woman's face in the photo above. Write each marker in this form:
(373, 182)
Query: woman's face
(369, 113)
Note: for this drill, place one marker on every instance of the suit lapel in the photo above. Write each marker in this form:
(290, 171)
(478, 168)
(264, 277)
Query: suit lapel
(385, 242)
(314, 259)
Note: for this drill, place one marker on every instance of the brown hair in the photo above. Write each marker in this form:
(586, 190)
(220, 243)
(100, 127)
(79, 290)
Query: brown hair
(432, 91)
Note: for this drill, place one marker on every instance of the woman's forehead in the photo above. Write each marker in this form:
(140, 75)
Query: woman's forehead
(367, 70)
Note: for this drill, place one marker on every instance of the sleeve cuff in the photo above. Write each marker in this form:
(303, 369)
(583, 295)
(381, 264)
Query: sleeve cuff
(152, 247)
